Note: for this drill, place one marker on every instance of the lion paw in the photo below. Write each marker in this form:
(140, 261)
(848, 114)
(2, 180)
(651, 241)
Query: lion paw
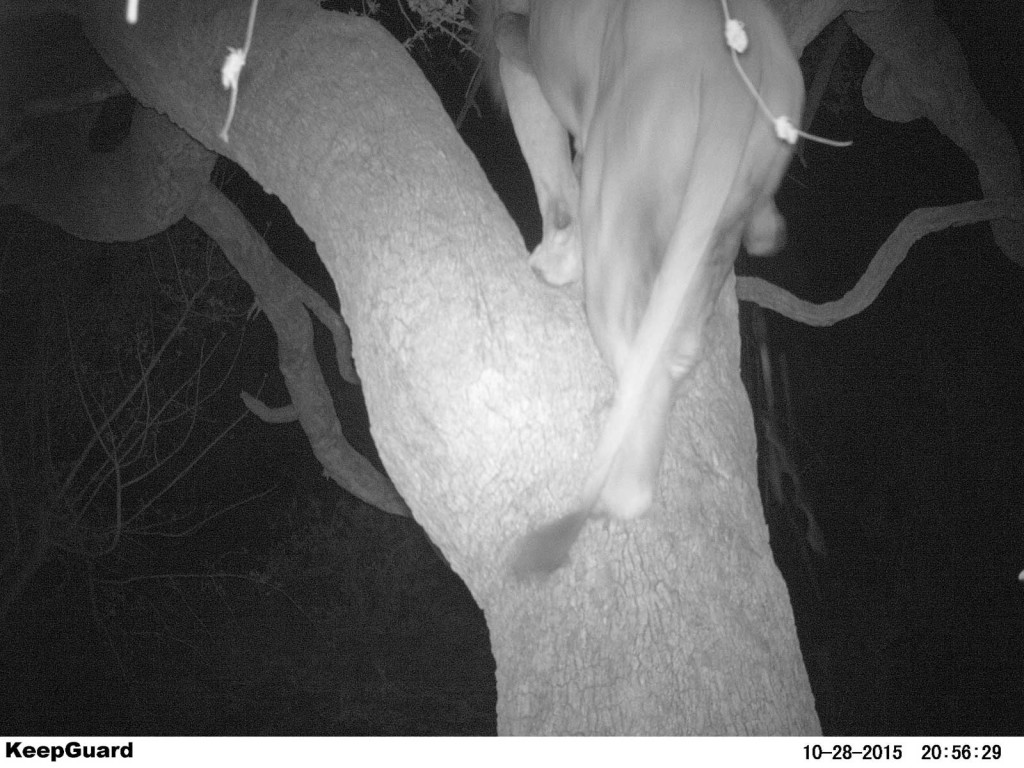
(559, 258)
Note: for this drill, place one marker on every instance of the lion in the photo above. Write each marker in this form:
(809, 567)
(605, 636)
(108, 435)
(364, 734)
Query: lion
(675, 164)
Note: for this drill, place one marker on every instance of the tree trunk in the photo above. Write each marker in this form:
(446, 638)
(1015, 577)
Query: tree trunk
(484, 389)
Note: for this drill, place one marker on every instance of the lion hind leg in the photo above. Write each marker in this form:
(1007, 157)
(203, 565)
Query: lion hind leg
(544, 142)
(625, 467)
(626, 464)
(666, 347)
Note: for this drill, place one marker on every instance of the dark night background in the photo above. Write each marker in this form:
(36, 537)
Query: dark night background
(303, 611)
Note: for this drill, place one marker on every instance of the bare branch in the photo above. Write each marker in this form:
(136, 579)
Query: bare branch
(917, 224)
(280, 415)
(284, 298)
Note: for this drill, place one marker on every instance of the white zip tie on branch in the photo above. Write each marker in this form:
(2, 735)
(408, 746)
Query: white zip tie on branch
(736, 39)
(232, 69)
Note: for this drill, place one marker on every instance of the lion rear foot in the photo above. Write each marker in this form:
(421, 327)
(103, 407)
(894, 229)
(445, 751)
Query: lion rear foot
(558, 258)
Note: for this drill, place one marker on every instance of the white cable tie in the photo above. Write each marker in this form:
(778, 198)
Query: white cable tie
(785, 130)
(736, 35)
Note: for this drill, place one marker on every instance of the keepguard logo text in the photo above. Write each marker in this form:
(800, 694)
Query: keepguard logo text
(72, 750)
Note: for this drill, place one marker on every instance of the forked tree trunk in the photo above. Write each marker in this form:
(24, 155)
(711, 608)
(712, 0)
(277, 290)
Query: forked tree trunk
(484, 388)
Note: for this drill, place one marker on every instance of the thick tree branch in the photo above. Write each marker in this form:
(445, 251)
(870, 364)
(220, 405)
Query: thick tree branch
(283, 297)
(919, 70)
(51, 80)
